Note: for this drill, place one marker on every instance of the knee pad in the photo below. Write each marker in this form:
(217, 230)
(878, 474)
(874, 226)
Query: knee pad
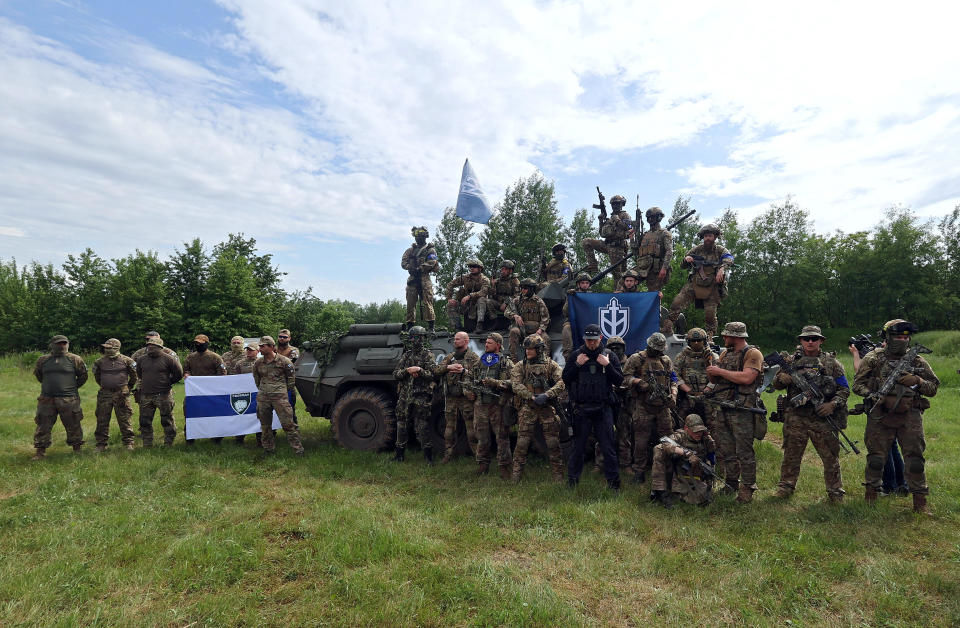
(914, 464)
(875, 462)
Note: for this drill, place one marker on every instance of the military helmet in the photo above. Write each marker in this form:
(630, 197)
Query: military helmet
(694, 423)
(709, 228)
(475, 262)
(654, 211)
(898, 327)
(534, 341)
(420, 231)
(696, 334)
(616, 340)
(111, 343)
(809, 331)
(631, 273)
(526, 282)
(618, 200)
(507, 263)
(583, 277)
(417, 330)
(559, 246)
(735, 330)
(657, 341)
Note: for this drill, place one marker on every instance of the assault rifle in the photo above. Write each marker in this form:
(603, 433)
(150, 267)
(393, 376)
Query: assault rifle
(479, 389)
(638, 232)
(904, 366)
(543, 265)
(705, 467)
(863, 344)
(809, 393)
(729, 405)
(656, 391)
(602, 206)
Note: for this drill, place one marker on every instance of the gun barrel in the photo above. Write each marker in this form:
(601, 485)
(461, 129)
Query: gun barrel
(681, 219)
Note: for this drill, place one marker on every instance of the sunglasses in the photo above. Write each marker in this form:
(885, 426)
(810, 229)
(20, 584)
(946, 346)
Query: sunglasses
(811, 338)
(283, 337)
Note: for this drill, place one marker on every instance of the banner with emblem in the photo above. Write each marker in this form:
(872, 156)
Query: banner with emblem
(631, 315)
(225, 405)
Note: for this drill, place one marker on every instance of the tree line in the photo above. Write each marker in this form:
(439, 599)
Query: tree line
(785, 274)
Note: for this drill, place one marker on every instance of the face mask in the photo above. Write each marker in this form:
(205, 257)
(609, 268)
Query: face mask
(897, 347)
(696, 345)
(154, 351)
(653, 353)
(110, 352)
(201, 346)
(60, 349)
(236, 348)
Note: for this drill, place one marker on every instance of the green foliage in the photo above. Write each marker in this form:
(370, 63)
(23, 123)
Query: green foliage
(583, 225)
(453, 249)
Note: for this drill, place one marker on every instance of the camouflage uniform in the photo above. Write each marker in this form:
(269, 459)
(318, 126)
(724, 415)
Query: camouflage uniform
(204, 364)
(274, 379)
(615, 233)
(557, 268)
(655, 251)
(691, 367)
(536, 319)
(232, 361)
(60, 376)
(903, 421)
(293, 354)
(157, 376)
(566, 335)
(422, 259)
(472, 286)
(651, 412)
(142, 351)
(496, 298)
(802, 424)
(458, 401)
(702, 288)
(117, 375)
(529, 379)
(496, 370)
(668, 473)
(415, 397)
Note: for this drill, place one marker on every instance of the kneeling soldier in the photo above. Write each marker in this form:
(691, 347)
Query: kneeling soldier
(678, 466)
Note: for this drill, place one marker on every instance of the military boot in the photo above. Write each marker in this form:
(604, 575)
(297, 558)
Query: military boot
(78, 448)
(782, 492)
(130, 447)
(482, 468)
(428, 455)
(835, 498)
(745, 495)
(39, 454)
(870, 495)
(639, 478)
(101, 449)
(447, 457)
(920, 504)
(398, 454)
(505, 471)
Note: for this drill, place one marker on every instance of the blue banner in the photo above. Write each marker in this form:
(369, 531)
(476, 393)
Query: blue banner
(631, 315)
(472, 204)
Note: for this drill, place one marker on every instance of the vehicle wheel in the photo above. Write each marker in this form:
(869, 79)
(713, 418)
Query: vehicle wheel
(363, 418)
(438, 424)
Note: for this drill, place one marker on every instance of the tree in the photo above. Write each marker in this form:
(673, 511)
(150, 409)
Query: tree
(453, 250)
(139, 300)
(581, 226)
(90, 317)
(187, 273)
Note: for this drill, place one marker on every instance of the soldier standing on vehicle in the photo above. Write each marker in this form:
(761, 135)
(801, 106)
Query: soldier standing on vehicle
(116, 374)
(415, 394)
(706, 285)
(274, 376)
(60, 374)
(591, 376)
(677, 468)
(629, 283)
(558, 267)
(616, 233)
(537, 380)
(204, 363)
(649, 373)
(566, 336)
(654, 253)
(492, 381)
(497, 296)
(734, 380)
(157, 371)
(529, 315)
(420, 260)
(455, 370)
(464, 294)
(234, 357)
(899, 414)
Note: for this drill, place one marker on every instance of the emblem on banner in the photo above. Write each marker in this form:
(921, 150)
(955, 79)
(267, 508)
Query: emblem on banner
(614, 319)
(240, 402)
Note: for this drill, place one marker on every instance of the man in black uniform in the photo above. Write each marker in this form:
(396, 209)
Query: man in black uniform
(591, 375)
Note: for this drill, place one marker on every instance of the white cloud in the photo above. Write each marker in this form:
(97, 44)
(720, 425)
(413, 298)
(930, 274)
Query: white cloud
(12, 232)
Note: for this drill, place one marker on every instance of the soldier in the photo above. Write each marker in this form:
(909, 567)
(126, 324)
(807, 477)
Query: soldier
(558, 267)
(492, 380)
(245, 365)
(650, 374)
(676, 468)
(899, 415)
(591, 375)
(654, 253)
(275, 376)
(157, 371)
(537, 380)
(415, 394)
(691, 367)
(204, 363)
(497, 297)
(623, 419)
(616, 233)
(60, 374)
(529, 314)
(233, 358)
(706, 285)
(566, 336)
(420, 260)
(117, 375)
(472, 288)
(629, 283)
(142, 351)
(805, 423)
(733, 380)
(290, 352)
(454, 370)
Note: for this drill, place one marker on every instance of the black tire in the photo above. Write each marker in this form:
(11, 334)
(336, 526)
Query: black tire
(363, 418)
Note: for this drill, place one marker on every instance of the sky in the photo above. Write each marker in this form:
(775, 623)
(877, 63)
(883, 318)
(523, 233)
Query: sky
(325, 129)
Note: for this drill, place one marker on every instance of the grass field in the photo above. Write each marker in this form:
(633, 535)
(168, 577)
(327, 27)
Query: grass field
(211, 536)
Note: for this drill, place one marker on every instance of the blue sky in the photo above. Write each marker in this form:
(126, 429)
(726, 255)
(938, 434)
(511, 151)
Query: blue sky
(325, 128)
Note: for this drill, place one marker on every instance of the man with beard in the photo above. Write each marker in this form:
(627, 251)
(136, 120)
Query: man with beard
(415, 394)
(158, 372)
(492, 381)
(205, 363)
(706, 285)
(464, 303)
(558, 267)
(591, 375)
(420, 260)
(650, 374)
(529, 315)
(116, 374)
(60, 374)
(497, 296)
(733, 380)
(454, 370)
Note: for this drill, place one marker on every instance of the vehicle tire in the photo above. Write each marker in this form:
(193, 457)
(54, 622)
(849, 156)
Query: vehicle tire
(438, 423)
(363, 418)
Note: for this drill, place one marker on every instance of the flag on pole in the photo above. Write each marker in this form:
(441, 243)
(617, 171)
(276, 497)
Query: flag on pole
(472, 205)
(224, 405)
(631, 315)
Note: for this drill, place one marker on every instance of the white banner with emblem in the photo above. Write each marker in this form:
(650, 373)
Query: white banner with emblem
(225, 405)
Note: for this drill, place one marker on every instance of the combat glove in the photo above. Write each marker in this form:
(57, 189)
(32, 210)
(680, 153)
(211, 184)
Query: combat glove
(541, 399)
(826, 409)
(909, 380)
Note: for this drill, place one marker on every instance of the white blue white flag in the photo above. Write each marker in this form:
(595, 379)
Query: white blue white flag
(224, 405)
(472, 205)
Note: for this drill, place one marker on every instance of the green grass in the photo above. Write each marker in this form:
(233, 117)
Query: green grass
(210, 536)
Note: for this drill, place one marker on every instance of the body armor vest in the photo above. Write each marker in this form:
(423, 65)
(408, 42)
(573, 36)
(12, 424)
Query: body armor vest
(113, 373)
(660, 369)
(650, 253)
(504, 289)
(536, 377)
(740, 394)
(695, 370)
(492, 371)
(592, 387)
(529, 310)
(814, 368)
(419, 385)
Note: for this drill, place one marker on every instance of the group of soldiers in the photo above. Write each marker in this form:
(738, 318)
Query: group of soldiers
(148, 377)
